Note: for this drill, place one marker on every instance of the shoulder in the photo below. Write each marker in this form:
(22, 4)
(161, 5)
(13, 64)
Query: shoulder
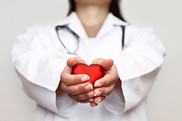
(38, 32)
(139, 30)
(38, 29)
(137, 34)
(38, 36)
(143, 36)
(44, 29)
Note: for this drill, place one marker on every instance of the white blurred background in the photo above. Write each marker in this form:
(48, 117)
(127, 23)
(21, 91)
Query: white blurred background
(164, 16)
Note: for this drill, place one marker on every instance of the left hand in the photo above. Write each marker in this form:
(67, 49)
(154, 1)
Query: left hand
(105, 85)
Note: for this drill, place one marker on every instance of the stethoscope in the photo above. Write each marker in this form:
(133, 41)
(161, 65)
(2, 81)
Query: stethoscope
(59, 27)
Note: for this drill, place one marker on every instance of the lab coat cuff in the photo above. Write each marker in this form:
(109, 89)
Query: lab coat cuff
(127, 72)
(115, 102)
(60, 104)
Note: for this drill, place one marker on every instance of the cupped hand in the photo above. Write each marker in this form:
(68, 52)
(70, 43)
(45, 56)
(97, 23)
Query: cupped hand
(104, 86)
(74, 85)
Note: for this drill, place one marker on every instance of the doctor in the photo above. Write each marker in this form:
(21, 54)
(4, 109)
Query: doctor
(94, 32)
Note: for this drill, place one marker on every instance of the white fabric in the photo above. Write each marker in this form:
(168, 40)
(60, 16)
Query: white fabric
(39, 59)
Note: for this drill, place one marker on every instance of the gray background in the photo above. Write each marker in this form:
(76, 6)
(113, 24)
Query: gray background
(164, 16)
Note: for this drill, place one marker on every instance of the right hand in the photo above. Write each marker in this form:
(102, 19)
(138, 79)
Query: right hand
(74, 85)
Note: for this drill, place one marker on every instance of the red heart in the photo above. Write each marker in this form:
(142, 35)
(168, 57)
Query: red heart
(94, 71)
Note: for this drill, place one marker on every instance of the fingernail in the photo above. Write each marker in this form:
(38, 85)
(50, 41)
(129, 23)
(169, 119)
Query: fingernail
(97, 93)
(85, 78)
(88, 87)
(97, 84)
(90, 94)
(91, 100)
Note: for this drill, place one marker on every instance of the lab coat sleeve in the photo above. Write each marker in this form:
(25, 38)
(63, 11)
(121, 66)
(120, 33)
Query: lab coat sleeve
(138, 66)
(39, 68)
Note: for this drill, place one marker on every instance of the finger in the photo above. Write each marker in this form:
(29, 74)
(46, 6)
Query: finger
(87, 101)
(98, 61)
(111, 76)
(103, 91)
(84, 96)
(69, 79)
(105, 81)
(79, 88)
(92, 104)
(107, 64)
(66, 70)
(73, 61)
(98, 100)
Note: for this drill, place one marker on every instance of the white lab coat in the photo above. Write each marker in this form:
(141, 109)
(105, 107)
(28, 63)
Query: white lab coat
(39, 59)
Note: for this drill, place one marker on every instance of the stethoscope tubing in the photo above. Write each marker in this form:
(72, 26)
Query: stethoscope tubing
(72, 32)
(59, 27)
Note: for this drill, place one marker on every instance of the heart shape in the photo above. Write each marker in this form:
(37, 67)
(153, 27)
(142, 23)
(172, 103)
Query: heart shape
(94, 71)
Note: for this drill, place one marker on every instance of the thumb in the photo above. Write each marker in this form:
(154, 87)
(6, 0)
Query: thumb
(107, 64)
(73, 61)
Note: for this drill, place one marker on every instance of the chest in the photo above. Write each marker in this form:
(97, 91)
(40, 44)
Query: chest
(108, 46)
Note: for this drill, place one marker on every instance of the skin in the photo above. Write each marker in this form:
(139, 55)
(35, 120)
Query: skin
(76, 88)
(92, 14)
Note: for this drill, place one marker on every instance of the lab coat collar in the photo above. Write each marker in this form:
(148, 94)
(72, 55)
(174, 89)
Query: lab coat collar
(75, 25)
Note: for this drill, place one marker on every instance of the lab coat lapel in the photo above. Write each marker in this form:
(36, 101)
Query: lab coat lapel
(74, 24)
(106, 27)
(110, 22)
